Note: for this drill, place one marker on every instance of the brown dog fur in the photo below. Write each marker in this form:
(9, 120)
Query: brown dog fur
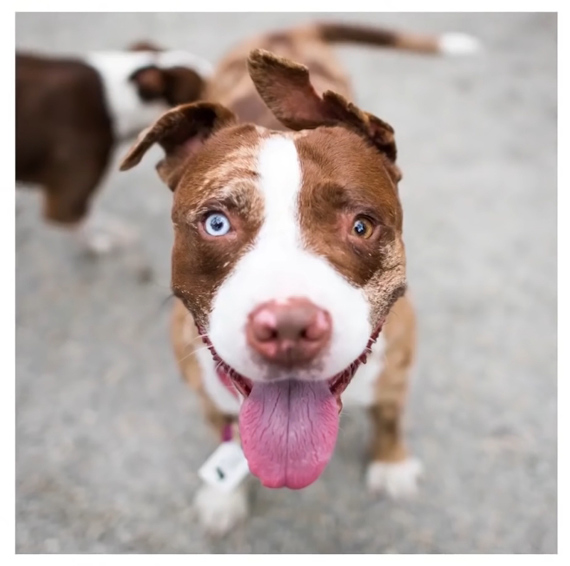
(64, 134)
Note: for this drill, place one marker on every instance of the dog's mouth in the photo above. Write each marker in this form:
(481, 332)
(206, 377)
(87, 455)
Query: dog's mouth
(288, 428)
(337, 384)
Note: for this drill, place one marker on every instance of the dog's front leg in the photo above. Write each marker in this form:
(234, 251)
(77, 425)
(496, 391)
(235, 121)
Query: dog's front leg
(220, 509)
(392, 469)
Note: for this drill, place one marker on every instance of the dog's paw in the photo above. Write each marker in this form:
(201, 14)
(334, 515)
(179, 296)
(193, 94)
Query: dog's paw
(459, 44)
(220, 512)
(102, 235)
(398, 479)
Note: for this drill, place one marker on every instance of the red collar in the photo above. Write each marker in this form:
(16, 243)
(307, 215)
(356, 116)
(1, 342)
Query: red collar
(225, 379)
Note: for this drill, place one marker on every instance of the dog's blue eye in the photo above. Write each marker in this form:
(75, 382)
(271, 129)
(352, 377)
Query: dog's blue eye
(217, 224)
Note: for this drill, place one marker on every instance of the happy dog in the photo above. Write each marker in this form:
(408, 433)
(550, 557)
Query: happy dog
(71, 112)
(288, 260)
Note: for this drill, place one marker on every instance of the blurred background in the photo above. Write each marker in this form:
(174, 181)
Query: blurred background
(109, 439)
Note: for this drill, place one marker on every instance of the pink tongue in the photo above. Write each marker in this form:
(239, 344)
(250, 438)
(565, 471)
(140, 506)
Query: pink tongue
(288, 431)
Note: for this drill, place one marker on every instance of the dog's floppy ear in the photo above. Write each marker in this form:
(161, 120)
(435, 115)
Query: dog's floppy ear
(174, 85)
(150, 82)
(286, 89)
(181, 132)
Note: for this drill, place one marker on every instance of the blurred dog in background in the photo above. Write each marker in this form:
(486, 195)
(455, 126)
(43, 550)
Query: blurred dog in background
(71, 112)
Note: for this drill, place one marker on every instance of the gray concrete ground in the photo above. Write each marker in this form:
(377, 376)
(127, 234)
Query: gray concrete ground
(108, 437)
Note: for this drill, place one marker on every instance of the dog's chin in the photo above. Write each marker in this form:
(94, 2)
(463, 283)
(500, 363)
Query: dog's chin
(337, 383)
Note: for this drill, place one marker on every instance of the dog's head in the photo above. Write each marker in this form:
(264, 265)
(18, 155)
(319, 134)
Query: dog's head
(288, 253)
(144, 81)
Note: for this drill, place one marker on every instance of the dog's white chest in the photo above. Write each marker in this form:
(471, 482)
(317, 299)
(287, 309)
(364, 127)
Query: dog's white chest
(362, 389)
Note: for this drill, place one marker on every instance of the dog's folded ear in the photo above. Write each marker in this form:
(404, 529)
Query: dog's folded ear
(180, 132)
(150, 82)
(286, 89)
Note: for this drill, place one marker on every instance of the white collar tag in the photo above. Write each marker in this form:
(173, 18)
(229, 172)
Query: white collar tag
(226, 468)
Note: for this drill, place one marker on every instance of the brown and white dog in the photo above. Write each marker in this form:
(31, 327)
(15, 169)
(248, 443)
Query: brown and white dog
(288, 260)
(70, 113)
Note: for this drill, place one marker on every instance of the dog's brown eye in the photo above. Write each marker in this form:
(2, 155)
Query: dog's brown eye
(362, 228)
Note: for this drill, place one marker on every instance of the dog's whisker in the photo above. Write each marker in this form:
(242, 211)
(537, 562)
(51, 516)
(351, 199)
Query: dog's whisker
(185, 357)
(193, 351)
(205, 347)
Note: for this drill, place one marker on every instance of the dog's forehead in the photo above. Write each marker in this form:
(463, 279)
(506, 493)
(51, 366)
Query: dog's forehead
(336, 156)
(227, 160)
(329, 159)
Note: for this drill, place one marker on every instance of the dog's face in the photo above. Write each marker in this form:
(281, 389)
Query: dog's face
(143, 82)
(288, 253)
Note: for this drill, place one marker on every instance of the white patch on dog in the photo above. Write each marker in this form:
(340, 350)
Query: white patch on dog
(459, 44)
(129, 113)
(278, 267)
(397, 479)
(220, 512)
(176, 58)
(361, 392)
(217, 391)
